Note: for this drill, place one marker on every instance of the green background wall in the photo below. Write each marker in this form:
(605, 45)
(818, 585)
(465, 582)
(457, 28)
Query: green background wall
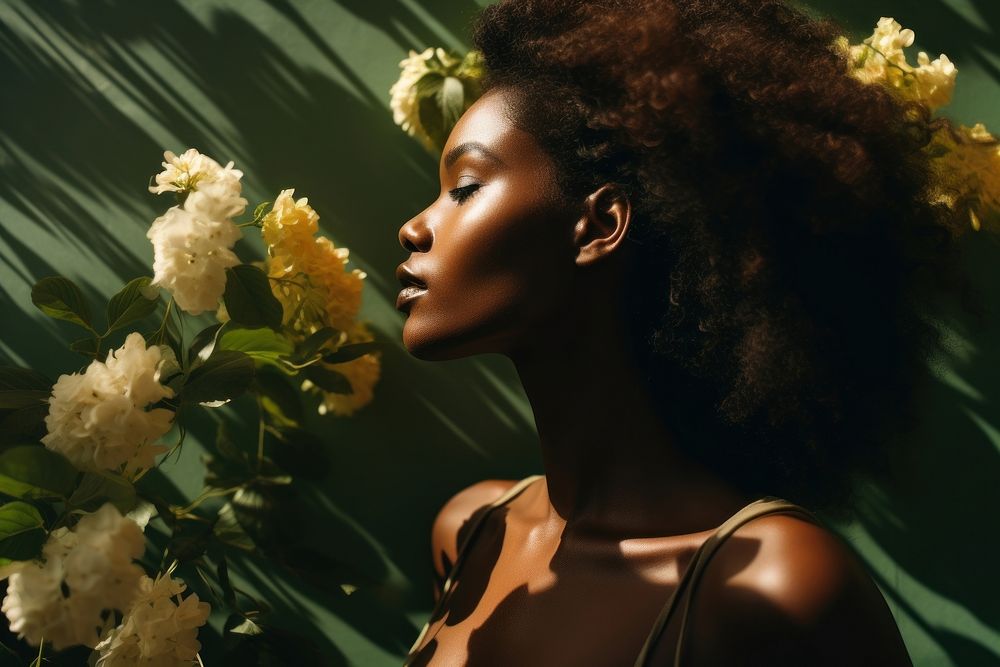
(296, 93)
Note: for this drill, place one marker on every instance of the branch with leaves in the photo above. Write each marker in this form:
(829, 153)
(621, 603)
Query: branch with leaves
(75, 454)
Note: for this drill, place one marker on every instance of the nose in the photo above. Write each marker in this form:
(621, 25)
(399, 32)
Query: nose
(415, 235)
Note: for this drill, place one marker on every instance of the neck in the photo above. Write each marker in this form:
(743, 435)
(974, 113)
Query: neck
(613, 468)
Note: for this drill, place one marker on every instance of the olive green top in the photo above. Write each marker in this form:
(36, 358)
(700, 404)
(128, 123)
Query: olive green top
(687, 583)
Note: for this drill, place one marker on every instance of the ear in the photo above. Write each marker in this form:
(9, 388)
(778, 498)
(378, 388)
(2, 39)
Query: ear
(607, 214)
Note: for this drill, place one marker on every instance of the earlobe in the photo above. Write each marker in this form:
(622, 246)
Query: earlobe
(605, 223)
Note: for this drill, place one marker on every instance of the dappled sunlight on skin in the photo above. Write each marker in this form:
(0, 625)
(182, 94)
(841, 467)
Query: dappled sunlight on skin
(490, 620)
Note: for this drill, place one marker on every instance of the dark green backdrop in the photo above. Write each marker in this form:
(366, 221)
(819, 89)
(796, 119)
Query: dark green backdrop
(296, 93)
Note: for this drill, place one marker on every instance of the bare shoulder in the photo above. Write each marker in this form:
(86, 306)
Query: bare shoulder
(458, 510)
(782, 590)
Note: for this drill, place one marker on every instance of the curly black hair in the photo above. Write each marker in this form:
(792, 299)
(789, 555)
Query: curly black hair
(786, 242)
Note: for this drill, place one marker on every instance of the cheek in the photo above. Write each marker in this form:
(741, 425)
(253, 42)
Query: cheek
(511, 261)
(496, 279)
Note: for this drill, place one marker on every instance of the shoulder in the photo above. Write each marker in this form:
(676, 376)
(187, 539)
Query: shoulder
(454, 514)
(785, 591)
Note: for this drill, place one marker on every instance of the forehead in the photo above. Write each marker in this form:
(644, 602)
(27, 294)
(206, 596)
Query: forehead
(487, 122)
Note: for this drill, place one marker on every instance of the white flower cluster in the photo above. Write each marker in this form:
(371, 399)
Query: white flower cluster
(404, 101)
(186, 171)
(85, 572)
(192, 242)
(98, 419)
(880, 59)
(156, 631)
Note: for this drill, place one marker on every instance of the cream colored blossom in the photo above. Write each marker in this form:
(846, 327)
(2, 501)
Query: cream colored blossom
(458, 78)
(85, 571)
(404, 101)
(98, 419)
(192, 247)
(159, 630)
(192, 242)
(190, 170)
(881, 59)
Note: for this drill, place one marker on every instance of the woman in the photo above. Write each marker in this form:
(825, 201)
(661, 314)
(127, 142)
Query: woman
(701, 245)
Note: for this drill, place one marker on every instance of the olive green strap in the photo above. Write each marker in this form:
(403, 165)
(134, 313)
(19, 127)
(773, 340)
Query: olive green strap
(460, 557)
(765, 505)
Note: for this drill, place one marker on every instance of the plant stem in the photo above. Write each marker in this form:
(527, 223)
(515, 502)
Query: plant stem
(41, 652)
(158, 336)
(260, 432)
(211, 493)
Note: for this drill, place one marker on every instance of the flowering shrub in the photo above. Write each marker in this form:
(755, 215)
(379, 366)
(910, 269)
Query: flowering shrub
(76, 451)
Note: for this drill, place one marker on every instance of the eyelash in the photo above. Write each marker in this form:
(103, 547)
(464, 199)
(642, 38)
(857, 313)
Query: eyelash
(463, 193)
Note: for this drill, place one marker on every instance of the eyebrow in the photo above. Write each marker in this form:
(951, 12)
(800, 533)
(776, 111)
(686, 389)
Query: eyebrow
(468, 147)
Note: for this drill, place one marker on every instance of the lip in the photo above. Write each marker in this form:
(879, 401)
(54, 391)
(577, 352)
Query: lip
(407, 277)
(407, 295)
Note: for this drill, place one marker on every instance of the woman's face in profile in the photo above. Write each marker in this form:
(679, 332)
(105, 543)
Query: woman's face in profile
(494, 251)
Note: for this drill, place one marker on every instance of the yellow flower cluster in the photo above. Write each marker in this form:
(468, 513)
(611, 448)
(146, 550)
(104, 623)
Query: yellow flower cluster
(968, 173)
(310, 280)
(966, 160)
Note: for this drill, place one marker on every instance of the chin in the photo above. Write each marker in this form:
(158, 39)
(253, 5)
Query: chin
(431, 346)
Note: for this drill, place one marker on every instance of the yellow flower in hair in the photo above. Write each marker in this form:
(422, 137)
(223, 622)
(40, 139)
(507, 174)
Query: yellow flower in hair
(881, 59)
(967, 166)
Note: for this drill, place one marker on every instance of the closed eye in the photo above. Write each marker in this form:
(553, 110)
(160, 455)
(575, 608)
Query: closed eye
(464, 192)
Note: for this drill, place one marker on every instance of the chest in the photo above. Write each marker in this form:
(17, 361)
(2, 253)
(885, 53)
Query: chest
(525, 599)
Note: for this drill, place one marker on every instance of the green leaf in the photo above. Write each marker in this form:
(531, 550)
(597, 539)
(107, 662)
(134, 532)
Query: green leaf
(260, 210)
(15, 399)
(241, 625)
(349, 352)
(88, 347)
(23, 425)
(429, 112)
(22, 531)
(451, 97)
(130, 304)
(229, 531)
(248, 297)
(429, 84)
(97, 488)
(279, 398)
(225, 446)
(224, 375)
(60, 298)
(302, 453)
(328, 380)
(311, 345)
(189, 539)
(202, 340)
(263, 345)
(12, 377)
(34, 472)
